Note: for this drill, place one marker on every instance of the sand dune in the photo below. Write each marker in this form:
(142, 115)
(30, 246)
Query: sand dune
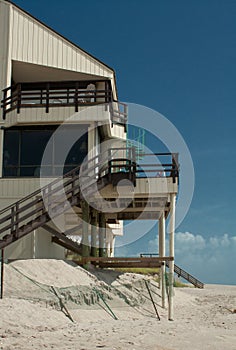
(110, 310)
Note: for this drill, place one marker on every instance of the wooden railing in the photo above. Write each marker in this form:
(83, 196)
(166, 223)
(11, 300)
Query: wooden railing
(180, 272)
(151, 165)
(36, 209)
(62, 94)
(119, 113)
(30, 212)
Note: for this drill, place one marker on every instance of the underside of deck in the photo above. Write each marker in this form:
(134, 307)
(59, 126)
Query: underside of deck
(107, 262)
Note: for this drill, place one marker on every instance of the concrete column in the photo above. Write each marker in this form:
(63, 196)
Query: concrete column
(109, 236)
(162, 252)
(102, 234)
(94, 232)
(108, 246)
(171, 253)
(113, 246)
(85, 230)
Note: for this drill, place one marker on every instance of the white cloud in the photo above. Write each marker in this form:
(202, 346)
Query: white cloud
(187, 240)
(208, 258)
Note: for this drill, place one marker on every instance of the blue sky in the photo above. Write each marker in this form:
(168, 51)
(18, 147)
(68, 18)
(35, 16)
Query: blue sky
(177, 57)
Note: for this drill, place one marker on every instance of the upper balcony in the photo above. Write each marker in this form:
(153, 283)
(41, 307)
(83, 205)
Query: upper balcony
(74, 94)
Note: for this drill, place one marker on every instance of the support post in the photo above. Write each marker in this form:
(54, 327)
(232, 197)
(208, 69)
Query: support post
(171, 253)
(94, 233)
(102, 234)
(85, 230)
(108, 241)
(162, 252)
(2, 272)
(113, 246)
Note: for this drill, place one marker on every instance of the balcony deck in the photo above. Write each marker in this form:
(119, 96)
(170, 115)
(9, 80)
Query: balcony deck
(126, 190)
(74, 95)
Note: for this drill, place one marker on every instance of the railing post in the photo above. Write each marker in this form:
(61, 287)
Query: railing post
(125, 116)
(18, 98)
(175, 166)
(41, 96)
(12, 218)
(49, 208)
(109, 163)
(109, 169)
(17, 219)
(76, 97)
(47, 97)
(106, 92)
(4, 104)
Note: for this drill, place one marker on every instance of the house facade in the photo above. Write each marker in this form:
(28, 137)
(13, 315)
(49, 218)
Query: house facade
(45, 80)
(67, 171)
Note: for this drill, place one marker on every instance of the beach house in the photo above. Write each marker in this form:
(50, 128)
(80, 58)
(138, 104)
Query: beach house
(63, 151)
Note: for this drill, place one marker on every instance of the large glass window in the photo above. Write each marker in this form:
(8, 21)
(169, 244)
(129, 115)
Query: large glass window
(11, 153)
(24, 148)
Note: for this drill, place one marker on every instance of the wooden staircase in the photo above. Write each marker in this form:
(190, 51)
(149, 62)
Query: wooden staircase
(38, 208)
(191, 279)
(180, 272)
(35, 210)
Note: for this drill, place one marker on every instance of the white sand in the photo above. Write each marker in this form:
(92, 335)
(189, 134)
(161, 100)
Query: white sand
(31, 317)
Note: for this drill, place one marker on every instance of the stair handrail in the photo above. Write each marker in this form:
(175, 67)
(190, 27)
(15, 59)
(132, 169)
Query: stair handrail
(100, 159)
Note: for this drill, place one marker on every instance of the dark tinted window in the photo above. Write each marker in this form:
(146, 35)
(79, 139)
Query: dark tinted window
(11, 148)
(24, 150)
(33, 144)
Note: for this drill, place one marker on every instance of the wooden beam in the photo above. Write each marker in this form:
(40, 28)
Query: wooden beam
(106, 262)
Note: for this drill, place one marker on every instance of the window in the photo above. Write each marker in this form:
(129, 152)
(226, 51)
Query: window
(24, 148)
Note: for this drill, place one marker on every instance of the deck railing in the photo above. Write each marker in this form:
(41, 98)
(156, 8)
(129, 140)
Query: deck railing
(63, 94)
(123, 161)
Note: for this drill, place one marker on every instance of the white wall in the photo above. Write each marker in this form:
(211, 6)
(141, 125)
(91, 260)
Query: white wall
(12, 190)
(22, 249)
(45, 248)
(58, 115)
(5, 64)
(36, 245)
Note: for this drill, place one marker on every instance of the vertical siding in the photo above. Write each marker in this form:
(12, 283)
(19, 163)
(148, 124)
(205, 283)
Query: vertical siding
(74, 60)
(14, 189)
(19, 34)
(4, 40)
(34, 43)
(61, 114)
(58, 53)
(30, 39)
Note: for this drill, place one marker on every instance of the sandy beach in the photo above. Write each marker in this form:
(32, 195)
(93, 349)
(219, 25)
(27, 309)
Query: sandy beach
(108, 310)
